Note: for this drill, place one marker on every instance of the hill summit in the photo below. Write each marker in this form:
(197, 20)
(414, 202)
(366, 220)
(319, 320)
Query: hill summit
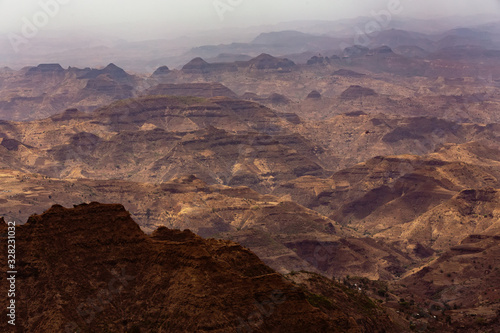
(92, 268)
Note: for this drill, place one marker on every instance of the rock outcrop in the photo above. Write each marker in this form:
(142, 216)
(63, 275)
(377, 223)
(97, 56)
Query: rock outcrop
(356, 92)
(261, 62)
(192, 89)
(112, 71)
(92, 268)
(45, 69)
(161, 71)
(314, 95)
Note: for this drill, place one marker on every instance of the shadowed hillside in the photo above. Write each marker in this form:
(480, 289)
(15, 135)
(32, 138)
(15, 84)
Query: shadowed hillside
(93, 269)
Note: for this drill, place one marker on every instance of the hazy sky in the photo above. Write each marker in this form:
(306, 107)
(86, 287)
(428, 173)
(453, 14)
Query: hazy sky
(155, 18)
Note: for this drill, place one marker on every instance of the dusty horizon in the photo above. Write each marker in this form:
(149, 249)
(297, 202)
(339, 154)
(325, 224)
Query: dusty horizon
(166, 19)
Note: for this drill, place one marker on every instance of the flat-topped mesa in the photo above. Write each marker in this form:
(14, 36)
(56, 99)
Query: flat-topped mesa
(191, 111)
(356, 92)
(314, 95)
(267, 61)
(383, 50)
(320, 60)
(261, 62)
(45, 69)
(192, 89)
(274, 98)
(347, 73)
(113, 221)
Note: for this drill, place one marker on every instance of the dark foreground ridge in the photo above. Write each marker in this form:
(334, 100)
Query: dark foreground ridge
(91, 269)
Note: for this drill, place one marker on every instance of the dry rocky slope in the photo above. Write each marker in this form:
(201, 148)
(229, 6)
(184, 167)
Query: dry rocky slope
(461, 286)
(459, 83)
(224, 141)
(434, 200)
(152, 139)
(286, 236)
(40, 91)
(375, 81)
(91, 268)
(355, 137)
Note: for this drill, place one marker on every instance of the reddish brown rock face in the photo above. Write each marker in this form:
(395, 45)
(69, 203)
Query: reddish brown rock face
(92, 268)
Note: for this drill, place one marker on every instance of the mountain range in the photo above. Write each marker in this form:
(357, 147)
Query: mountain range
(296, 181)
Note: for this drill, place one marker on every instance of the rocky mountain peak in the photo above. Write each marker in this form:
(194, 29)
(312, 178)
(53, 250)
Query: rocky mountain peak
(92, 267)
(161, 71)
